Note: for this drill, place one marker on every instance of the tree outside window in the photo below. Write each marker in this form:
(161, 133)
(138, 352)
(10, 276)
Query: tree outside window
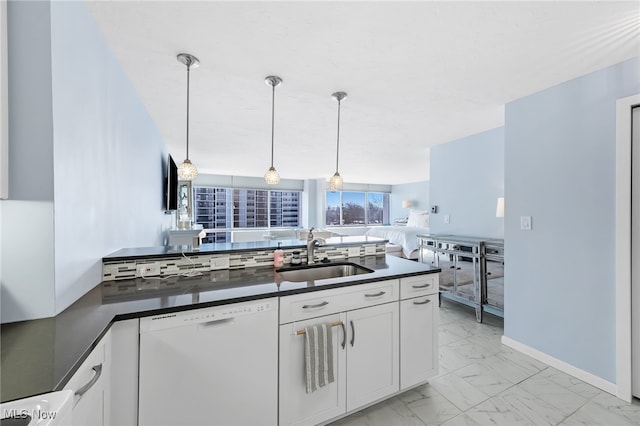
(356, 208)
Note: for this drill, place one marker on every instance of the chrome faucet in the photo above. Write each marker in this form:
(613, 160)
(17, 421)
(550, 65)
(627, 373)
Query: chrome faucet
(312, 243)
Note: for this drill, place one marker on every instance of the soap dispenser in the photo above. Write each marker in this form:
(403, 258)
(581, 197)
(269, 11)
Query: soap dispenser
(278, 257)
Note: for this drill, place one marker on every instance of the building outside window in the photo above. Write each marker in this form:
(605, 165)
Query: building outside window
(227, 209)
(356, 208)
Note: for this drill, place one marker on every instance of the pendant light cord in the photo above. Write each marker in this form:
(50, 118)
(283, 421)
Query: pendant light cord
(188, 72)
(338, 138)
(273, 103)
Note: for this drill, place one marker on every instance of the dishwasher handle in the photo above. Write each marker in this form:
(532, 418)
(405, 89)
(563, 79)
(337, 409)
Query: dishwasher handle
(219, 321)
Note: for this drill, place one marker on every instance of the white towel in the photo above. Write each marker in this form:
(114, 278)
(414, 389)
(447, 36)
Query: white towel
(318, 356)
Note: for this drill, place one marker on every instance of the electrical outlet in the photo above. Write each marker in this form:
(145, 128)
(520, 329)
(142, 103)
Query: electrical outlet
(447, 219)
(148, 269)
(218, 263)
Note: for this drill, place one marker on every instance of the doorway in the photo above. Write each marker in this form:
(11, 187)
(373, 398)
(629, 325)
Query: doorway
(626, 301)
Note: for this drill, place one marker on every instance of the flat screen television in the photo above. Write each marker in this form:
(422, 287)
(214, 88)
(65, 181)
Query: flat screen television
(171, 186)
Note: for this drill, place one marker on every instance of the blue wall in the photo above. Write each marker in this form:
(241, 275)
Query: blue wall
(560, 169)
(27, 288)
(108, 156)
(467, 177)
(417, 192)
(30, 119)
(86, 163)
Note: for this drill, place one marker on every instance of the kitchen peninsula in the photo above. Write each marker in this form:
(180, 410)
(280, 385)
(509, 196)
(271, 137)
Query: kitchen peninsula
(44, 355)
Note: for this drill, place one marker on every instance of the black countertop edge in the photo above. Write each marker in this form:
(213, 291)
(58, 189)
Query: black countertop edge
(78, 330)
(126, 254)
(258, 296)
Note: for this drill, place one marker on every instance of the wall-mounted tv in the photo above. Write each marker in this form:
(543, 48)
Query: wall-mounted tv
(171, 186)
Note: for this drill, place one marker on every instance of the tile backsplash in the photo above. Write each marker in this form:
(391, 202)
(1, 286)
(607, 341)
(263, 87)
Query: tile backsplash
(177, 264)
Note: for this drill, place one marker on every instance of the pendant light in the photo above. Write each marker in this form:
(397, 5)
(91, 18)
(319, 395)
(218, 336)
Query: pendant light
(186, 170)
(335, 183)
(272, 177)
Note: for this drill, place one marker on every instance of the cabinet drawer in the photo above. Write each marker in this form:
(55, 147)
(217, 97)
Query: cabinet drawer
(310, 305)
(418, 285)
(91, 385)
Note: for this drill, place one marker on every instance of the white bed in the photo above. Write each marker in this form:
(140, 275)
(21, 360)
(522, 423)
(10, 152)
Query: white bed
(404, 236)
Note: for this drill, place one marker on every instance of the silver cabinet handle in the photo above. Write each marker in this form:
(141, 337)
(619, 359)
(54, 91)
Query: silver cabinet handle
(422, 303)
(319, 305)
(353, 333)
(375, 295)
(98, 372)
(421, 286)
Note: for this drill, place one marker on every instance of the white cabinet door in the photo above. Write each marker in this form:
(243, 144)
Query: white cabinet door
(296, 406)
(418, 340)
(91, 384)
(124, 372)
(372, 354)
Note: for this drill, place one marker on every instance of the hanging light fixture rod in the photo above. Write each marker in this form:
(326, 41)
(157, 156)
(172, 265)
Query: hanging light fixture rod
(336, 181)
(272, 177)
(187, 171)
(338, 96)
(274, 82)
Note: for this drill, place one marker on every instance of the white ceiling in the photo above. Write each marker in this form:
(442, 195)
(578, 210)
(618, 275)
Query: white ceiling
(417, 74)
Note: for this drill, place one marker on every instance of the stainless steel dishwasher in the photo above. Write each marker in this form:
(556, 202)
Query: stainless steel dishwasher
(213, 366)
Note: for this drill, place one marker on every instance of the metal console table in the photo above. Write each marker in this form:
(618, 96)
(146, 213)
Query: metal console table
(472, 270)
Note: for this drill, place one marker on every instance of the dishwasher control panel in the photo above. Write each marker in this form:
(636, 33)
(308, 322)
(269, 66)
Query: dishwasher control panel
(204, 315)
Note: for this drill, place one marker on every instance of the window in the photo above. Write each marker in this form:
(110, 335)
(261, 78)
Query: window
(227, 208)
(376, 202)
(250, 208)
(284, 209)
(356, 208)
(333, 208)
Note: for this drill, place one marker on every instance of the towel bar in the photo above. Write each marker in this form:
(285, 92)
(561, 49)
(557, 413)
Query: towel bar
(333, 324)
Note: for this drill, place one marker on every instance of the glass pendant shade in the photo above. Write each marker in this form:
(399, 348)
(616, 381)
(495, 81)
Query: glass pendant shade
(272, 177)
(335, 183)
(187, 171)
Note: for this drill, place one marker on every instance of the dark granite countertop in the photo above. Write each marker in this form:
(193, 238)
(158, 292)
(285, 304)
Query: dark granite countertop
(40, 356)
(163, 251)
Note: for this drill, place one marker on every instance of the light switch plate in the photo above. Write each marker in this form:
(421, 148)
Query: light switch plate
(219, 263)
(525, 223)
(447, 219)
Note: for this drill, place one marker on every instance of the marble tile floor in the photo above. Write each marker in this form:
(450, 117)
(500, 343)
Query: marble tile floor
(483, 382)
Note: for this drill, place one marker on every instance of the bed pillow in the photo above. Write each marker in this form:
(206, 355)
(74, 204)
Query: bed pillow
(418, 219)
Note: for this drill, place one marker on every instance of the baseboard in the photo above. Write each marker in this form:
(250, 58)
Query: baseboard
(585, 376)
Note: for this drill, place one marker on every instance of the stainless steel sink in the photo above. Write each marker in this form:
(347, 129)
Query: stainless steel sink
(321, 272)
